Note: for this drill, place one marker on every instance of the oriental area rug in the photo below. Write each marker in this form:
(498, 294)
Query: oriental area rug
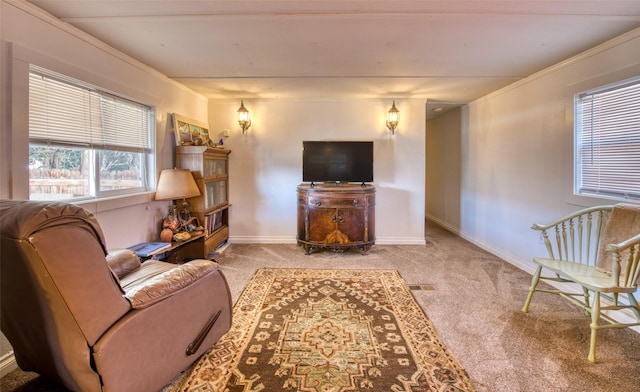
(328, 331)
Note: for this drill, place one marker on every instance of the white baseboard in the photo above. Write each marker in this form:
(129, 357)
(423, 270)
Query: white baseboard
(291, 240)
(444, 224)
(513, 260)
(400, 241)
(261, 240)
(7, 363)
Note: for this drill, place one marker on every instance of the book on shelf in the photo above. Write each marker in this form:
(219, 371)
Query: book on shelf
(207, 224)
(146, 249)
(213, 221)
(217, 221)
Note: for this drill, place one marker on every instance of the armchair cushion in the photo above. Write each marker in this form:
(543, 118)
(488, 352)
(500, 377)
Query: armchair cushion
(143, 290)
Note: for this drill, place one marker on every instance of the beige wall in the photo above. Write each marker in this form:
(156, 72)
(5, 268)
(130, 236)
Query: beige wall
(444, 169)
(266, 163)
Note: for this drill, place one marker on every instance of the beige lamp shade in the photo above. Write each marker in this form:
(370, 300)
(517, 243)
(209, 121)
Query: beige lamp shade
(176, 184)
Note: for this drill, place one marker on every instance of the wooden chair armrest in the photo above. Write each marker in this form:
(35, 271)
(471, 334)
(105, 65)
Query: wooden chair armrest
(632, 270)
(626, 244)
(541, 227)
(575, 237)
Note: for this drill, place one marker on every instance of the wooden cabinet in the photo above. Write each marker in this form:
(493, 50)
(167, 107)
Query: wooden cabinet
(210, 168)
(336, 216)
(180, 252)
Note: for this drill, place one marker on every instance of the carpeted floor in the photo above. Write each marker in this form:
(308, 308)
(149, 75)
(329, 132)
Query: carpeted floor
(473, 299)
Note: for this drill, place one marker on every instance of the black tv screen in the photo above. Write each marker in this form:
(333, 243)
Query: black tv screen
(337, 161)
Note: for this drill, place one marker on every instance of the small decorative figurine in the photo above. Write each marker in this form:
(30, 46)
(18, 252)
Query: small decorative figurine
(171, 220)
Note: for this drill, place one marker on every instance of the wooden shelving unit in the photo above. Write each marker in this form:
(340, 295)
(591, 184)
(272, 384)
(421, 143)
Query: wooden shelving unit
(210, 168)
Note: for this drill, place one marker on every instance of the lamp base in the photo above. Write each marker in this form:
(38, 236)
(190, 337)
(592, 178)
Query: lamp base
(187, 222)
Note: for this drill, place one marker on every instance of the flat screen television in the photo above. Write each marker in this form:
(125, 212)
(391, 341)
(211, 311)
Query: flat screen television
(337, 161)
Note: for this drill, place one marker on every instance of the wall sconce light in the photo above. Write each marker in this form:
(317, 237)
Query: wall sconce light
(393, 116)
(243, 118)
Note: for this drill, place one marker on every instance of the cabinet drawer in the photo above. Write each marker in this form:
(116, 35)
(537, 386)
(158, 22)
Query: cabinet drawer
(338, 202)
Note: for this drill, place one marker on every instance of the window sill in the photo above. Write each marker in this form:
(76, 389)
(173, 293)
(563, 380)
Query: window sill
(593, 200)
(112, 203)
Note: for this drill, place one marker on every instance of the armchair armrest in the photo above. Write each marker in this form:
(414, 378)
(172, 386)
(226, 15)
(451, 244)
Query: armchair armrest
(122, 261)
(159, 287)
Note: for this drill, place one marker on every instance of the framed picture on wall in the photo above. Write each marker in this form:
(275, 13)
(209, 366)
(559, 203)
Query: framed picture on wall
(190, 132)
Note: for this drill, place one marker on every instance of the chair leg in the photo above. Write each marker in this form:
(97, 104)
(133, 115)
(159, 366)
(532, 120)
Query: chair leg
(595, 317)
(586, 300)
(534, 283)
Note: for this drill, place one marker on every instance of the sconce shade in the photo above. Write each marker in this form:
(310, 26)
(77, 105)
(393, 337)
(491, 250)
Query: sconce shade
(393, 117)
(176, 184)
(243, 117)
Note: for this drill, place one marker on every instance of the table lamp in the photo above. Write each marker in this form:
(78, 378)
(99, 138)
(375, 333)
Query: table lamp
(175, 184)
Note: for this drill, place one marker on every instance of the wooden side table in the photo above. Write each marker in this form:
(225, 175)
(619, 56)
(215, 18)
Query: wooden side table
(182, 251)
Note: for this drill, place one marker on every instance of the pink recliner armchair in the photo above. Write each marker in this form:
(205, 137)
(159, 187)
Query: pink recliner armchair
(95, 321)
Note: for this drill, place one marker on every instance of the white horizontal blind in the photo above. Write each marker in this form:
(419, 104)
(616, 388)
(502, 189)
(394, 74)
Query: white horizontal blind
(124, 123)
(608, 141)
(64, 113)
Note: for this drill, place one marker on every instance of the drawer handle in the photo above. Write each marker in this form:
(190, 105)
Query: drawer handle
(318, 202)
(355, 202)
(338, 219)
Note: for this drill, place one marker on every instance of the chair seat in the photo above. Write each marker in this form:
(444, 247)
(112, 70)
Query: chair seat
(583, 275)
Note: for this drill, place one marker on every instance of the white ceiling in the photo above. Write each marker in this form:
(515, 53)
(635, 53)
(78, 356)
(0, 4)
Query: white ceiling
(450, 51)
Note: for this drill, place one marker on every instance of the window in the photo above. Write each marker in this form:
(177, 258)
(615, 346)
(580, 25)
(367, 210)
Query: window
(83, 142)
(607, 137)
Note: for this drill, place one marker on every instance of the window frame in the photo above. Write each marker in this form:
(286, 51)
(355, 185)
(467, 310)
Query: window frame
(146, 155)
(579, 131)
